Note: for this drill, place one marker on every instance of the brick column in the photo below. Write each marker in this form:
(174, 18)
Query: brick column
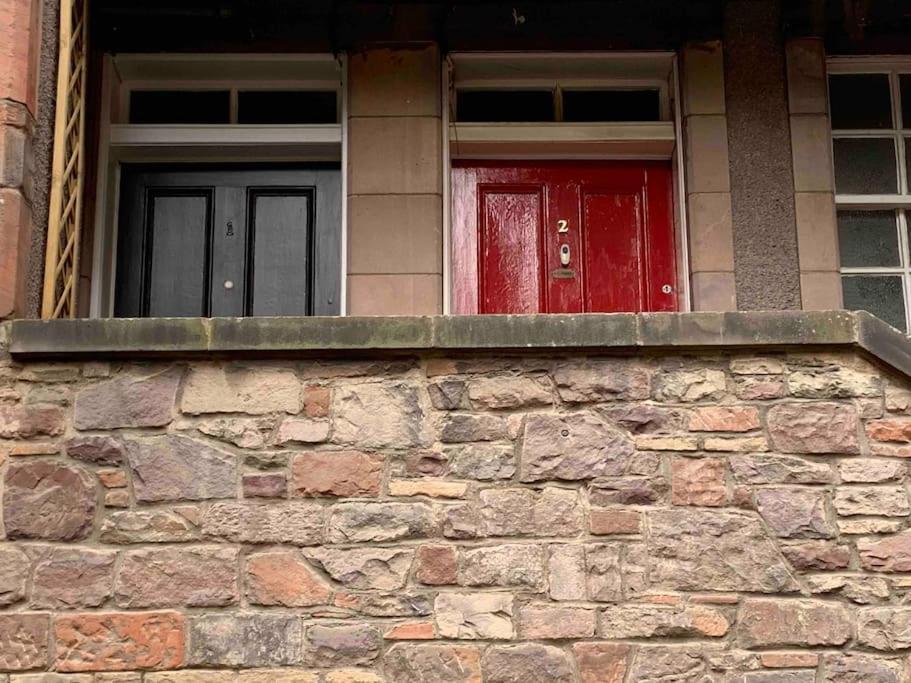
(708, 186)
(814, 182)
(395, 209)
(19, 30)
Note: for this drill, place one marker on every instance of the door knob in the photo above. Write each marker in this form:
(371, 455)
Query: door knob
(229, 284)
(564, 255)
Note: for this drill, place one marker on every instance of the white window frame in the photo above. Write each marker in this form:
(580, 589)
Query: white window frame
(121, 142)
(661, 140)
(900, 202)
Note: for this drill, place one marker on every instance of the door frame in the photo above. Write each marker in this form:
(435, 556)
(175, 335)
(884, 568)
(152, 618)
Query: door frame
(120, 143)
(536, 142)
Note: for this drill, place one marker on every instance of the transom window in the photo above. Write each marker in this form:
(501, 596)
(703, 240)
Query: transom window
(870, 108)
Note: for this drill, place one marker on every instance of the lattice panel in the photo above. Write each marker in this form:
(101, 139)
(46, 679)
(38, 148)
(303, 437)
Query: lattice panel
(61, 270)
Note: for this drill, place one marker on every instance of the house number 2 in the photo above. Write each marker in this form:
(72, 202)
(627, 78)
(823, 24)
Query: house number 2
(562, 226)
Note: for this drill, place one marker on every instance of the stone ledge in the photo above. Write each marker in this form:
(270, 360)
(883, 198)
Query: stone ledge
(187, 337)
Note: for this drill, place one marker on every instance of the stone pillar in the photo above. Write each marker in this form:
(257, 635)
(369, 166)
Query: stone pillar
(19, 30)
(395, 208)
(762, 189)
(814, 183)
(708, 189)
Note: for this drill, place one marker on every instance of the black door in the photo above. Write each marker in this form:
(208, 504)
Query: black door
(197, 241)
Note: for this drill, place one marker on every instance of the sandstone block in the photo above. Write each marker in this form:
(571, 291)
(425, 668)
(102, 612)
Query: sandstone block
(749, 388)
(613, 522)
(432, 663)
(27, 421)
(173, 467)
(555, 622)
(70, 578)
(572, 447)
(365, 569)
(698, 481)
(566, 572)
(604, 380)
(380, 522)
(890, 554)
(44, 500)
(336, 473)
(14, 571)
(838, 667)
(735, 444)
(724, 419)
(645, 418)
(112, 478)
(886, 501)
(898, 399)
(482, 461)
(244, 432)
(602, 662)
(779, 469)
(784, 623)
(496, 393)
(817, 555)
(245, 640)
(713, 550)
(302, 430)
(353, 676)
(398, 604)
(789, 660)
(662, 621)
(23, 641)
(519, 512)
(411, 630)
(449, 394)
(628, 491)
(833, 382)
(433, 488)
(893, 429)
(658, 442)
(235, 389)
(757, 366)
(813, 428)
(884, 628)
(466, 427)
(378, 416)
(503, 565)
(795, 512)
(96, 450)
(526, 662)
(120, 642)
(871, 470)
(316, 401)
(472, 616)
(202, 576)
(158, 526)
(291, 523)
(687, 386)
(671, 663)
(436, 565)
(341, 645)
(285, 578)
(604, 572)
(128, 400)
(264, 486)
(863, 526)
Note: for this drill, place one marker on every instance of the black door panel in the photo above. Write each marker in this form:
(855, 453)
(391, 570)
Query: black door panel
(228, 242)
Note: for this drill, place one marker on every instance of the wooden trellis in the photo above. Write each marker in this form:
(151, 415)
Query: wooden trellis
(61, 266)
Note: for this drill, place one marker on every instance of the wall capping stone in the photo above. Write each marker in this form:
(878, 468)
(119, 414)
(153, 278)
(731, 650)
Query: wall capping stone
(186, 337)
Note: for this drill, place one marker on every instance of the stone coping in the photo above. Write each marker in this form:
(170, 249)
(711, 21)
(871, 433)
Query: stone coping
(352, 336)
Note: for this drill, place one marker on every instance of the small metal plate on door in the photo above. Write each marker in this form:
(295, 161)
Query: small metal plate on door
(563, 274)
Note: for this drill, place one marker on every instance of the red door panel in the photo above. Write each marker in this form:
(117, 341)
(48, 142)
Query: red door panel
(510, 247)
(612, 229)
(511, 219)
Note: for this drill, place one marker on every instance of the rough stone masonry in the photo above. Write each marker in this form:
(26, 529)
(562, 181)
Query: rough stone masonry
(705, 518)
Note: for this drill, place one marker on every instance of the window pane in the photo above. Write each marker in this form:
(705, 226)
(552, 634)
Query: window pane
(865, 166)
(286, 107)
(611, 105)
(497, 106)
(880, 295)
(860, 101)
(180, 106)
(905, 81)
(867, 239)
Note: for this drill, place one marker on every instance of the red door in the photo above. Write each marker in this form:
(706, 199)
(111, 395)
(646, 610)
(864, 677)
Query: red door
(563, 237)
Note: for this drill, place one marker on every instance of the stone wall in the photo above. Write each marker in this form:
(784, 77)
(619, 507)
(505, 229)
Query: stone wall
(565, 518)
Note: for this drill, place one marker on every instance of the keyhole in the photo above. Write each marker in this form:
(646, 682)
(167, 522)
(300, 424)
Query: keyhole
(229, 229)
